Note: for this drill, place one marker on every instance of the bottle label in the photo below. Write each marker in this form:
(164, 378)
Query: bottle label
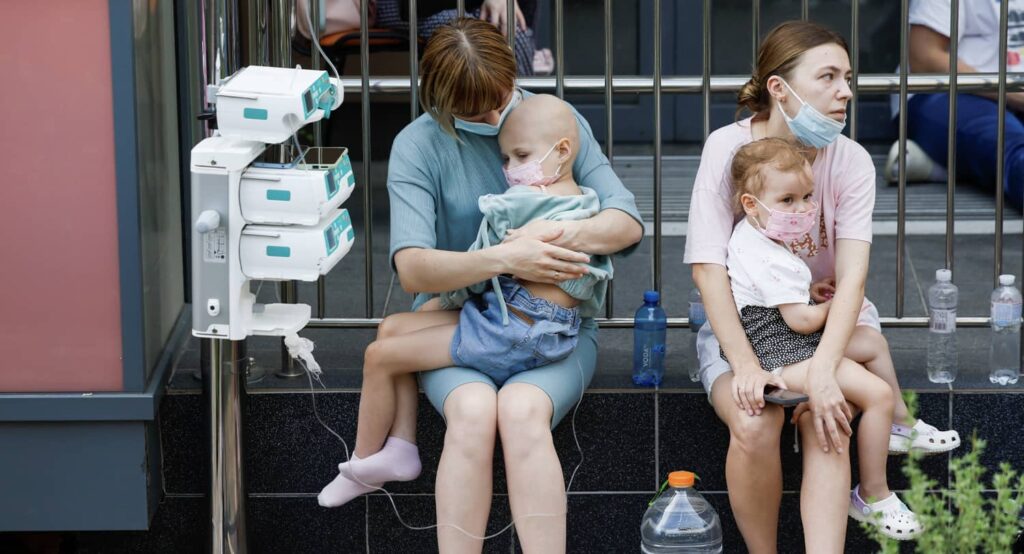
(1005, 315)
(942, 320)
(697, 315)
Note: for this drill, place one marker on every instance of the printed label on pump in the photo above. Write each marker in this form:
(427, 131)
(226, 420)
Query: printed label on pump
(215, 246)
(943, 320)
(1005, 315)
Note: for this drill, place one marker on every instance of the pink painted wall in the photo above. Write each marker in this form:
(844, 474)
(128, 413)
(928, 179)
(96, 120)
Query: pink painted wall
(60, 325)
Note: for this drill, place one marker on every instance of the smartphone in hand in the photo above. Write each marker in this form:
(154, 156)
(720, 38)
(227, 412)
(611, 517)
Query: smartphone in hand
(783, 397)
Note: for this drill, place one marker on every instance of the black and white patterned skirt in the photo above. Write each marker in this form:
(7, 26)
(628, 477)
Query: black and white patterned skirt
(775, 344)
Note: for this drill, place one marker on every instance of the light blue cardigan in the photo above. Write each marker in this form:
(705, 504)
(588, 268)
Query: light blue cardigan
(519, 206)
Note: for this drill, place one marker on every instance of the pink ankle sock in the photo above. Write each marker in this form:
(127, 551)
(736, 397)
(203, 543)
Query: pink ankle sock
(342, 489)
(398, 460)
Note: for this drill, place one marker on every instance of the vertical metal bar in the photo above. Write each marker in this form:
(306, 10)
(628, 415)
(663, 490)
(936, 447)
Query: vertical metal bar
(1001, 138)
(559, 49)
(289, 295)
(313, 7)
(609, 75)
(211, 352)
(706, 75)
(280, 31)
(461, 7)
(227, 486)
(414, 62)
(901, 216)
(314, 58)
(364, 73)
(854, 64)
(954, 25)
(221, 38)
(225, 387)
(321, 297)
(256, 21)
(318, 141)
(510, 25)
(281, 13)
(805, 10)
(657, 145)
(755, 31)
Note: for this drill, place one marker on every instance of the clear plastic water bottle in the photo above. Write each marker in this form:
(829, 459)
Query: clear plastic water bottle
(1004, 356)
(942, 351)
(697, 315)
(680, 520)
(649, 326)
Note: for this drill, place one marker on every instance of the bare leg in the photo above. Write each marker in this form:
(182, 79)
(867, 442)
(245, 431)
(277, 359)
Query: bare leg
(464, 473)
(416, 349)
(869, 348)
(873, 397)
(406, 389)
(753, 467)
(407, 396)
(536, 488)
(825, 491)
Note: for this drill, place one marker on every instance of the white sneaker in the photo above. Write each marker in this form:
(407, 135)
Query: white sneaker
(922, 438)
(920, 167)
(892, 517)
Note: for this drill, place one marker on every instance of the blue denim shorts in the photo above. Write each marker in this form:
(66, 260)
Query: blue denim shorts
(482, 342)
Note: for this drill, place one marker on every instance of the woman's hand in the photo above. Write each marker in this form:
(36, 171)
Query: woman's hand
(496, 12)
(562, 231)
(535, 259)
(748, 388)
(828, 407)
(823, 291)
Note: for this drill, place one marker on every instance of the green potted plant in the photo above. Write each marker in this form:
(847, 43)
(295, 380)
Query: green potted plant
(969, 517)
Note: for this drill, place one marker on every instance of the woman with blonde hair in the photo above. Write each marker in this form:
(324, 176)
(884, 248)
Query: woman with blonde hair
(440, 165)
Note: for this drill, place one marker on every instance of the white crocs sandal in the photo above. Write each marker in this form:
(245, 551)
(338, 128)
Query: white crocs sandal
(922, 438)
(891, 516)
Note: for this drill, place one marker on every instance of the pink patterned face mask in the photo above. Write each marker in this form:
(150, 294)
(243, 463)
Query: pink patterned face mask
(787, 226)
(531, 174)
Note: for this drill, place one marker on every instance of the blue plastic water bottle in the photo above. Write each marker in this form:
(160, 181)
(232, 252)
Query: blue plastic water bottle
(649, 327)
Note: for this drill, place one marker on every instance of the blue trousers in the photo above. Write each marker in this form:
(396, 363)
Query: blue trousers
(977, 119)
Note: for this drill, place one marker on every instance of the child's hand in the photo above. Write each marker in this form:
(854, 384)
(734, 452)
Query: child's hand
(824, 290)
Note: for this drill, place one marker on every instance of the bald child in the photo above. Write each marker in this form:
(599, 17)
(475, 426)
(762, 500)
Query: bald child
(500, 327)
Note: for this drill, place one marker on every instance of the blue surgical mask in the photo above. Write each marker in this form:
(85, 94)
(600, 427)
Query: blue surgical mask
(810, 126)
(486, 129)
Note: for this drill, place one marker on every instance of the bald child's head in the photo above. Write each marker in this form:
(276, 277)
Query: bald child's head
(540, 124)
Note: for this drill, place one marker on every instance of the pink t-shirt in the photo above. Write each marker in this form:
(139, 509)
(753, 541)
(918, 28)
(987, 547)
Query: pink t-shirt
(844, 187)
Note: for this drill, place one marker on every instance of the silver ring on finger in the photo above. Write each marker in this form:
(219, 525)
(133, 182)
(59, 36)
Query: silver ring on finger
(557, 274)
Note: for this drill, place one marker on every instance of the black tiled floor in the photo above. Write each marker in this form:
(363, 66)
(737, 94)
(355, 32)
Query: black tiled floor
(183, 440)
(997, 419)
(387, 534)
(605, 523)
(180, 524)
(288, 451)
(300, 525)
(616, 433)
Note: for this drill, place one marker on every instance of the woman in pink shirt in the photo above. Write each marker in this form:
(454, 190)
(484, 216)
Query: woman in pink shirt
(799, 90)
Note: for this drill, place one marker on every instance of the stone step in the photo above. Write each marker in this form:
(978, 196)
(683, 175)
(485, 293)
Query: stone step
(630, 441)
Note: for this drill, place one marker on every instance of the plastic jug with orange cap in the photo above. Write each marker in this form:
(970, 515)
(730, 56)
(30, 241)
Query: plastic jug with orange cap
(680, 520)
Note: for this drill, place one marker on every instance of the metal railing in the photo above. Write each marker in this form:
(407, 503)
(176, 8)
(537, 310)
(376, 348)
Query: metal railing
(227, 361)
(658, 85)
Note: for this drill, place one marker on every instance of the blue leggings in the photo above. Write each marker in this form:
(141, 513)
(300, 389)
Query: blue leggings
(977, 121)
